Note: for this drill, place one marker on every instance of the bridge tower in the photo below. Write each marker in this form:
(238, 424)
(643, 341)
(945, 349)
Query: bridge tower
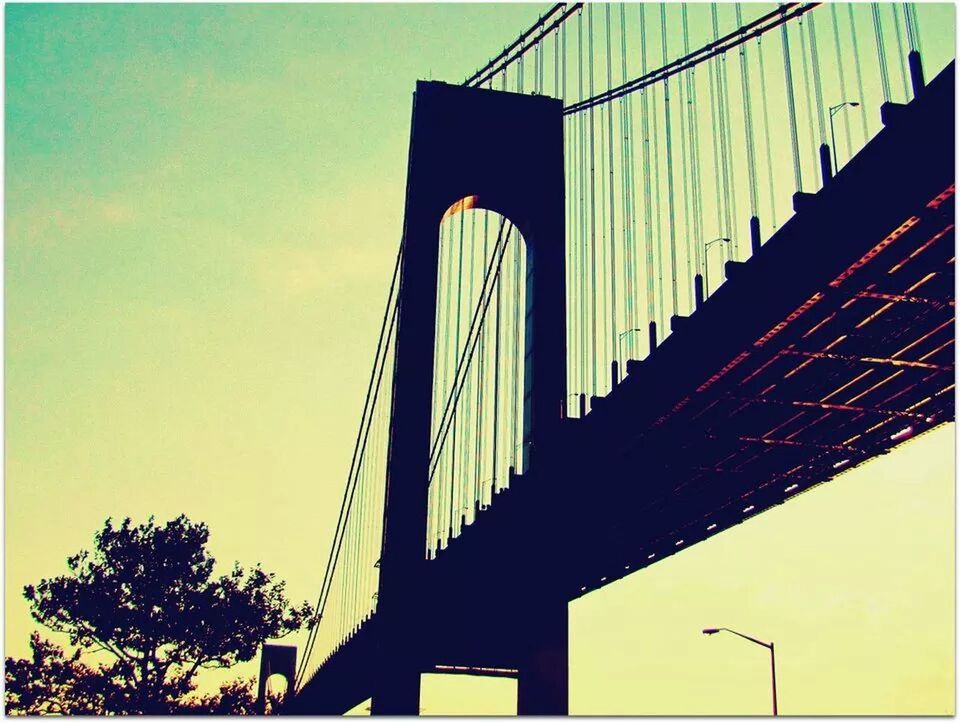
(506, 151)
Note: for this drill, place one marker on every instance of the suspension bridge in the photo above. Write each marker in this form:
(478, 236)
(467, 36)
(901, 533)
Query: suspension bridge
(663, 268)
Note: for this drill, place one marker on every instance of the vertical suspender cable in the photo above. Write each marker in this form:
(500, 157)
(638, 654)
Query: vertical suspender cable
(349, 579)
(657, 220)
(481, 431)
(726, 133)
(668, 141)
(766, 135)
(574, 251)
(583, 236)
(692, 123)
(626, 163)
(496, 385)
(593, 213)
(914, 59)
(748, 125)
(605, 249)
(520, 69)
(466, 486)
(518, 317)
(901, 54)
(805, 64)
(536, 69)
(454, 471)
(560, 91)
(556, 62)
(514, 346)
(438, 372)
(600, 290)
(843, 82)
(725, 197)
(881, 52)
(614, 360)
(716, 137)
(817, 78)
(791, 108)
(441, 483)
(818, 96)
(647, 200)
(686, 196)
(857, 70)
(913, 28)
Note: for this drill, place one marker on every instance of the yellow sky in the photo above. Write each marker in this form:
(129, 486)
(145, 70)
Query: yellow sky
(202, 209)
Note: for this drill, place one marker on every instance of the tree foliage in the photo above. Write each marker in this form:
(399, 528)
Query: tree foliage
(147, 598)
(51, 683)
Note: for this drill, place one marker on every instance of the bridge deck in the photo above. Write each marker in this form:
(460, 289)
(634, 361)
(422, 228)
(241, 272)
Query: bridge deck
(830, 346)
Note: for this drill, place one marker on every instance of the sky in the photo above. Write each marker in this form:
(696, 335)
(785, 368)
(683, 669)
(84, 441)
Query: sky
(202, 206)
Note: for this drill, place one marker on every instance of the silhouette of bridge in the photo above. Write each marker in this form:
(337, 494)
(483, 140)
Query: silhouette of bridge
(545, 418)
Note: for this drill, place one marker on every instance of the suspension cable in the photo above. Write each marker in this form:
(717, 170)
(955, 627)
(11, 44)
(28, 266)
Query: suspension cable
(753, 29)
(492, 64)
(520, 47)
(370, 400)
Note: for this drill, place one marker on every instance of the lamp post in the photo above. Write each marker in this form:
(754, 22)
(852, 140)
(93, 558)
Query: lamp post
(706, 260)
(834, 109)
(620, 338)
(768, 646)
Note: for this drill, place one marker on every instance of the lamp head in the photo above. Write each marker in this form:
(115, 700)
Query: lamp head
(710, 631)
(854, 103)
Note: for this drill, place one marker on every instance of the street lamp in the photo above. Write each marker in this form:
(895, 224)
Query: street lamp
(768, 646)
(620, 338)
(706, 260)
(834, 109)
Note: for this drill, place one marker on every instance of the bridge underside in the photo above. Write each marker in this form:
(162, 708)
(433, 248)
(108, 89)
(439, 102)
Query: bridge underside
(830, 346)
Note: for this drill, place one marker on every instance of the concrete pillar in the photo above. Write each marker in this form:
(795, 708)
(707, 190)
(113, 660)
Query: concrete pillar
(543, 679)
(505, 151)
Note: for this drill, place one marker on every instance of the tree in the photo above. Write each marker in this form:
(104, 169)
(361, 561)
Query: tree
(237, 697)
(147, 598)
(50, 683)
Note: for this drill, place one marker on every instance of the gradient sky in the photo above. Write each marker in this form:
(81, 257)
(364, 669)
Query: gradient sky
(202, 209)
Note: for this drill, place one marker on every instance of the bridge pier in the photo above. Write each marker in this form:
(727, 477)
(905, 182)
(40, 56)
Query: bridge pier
(398, 692)
(543, 671)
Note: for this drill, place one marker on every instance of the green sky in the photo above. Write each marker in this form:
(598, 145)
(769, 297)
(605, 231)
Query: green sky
(202, 209)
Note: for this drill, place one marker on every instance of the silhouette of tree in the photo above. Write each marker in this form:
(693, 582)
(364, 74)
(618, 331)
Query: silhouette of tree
(237, 697)
(50, 683)
(146, 597)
